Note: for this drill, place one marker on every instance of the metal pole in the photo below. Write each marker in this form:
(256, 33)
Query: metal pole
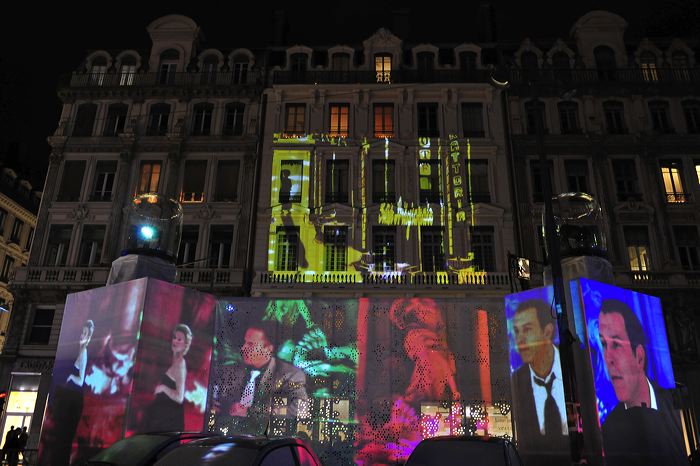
(551, 237)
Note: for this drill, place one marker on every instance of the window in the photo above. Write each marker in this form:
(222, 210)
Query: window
(483, 249)
(687, 242)
(210, 66)
(427, 120)
(194, 178)
(432, 252)
(98, 70)
(340, 62)
(384, 248)
(647, 62)
(626, 181)
(479, 177)
(382, 66)
(383, 120)
(530, 65)
(57, 246)
(233, 119)
(226, 189)
(298, 63)
(537, 191)
(534, 111)
(149, 177)
(576, 176)
(467, 61)
(287, 248)
(680, 63)
(614, 117)
(429, 181)
(660, 122)
(335, 241)
(158, 120)
(220, 240)
(116, 119)
(186, 256)
(383, 183)
(168, 67)
(637, 241)
(103, 186)
(673, 181)
(294, 121)
(697, 170)
(7, 267)
(605, 62)
(40, 331)
(30, 238)
(84, 120)
(337, 174)
(240, 70)
(290, 181)
(561, 64)
(127, 71)
(3, 218)
(473, 119)
(16, 234)
(568, 117)
(91, 245)
(691, 111)
(71, 181)
(425, 62)
(340, 120)
(201, 123)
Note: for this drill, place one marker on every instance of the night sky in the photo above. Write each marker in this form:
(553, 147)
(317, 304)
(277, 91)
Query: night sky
(41, 43)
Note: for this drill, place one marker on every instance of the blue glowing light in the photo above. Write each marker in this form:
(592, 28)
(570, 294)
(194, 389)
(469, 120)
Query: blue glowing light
(147, 232)
(230, 307)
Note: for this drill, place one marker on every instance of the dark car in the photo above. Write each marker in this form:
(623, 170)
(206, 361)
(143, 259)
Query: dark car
(143, 449)
(242, 450)
(464, 451)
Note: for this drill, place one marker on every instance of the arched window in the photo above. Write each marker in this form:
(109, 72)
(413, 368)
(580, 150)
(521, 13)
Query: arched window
(568, 117)
(233, 119)
(201, 119)
(240, 69)
(680, 63)
(660, 116)
(691, 111)
(127, 70)
(116, 119)
(534, 111)
(647, 62)
(341, 62)
(298, 62)
(98, 69)
(529, 64)
(210, 66)
(614, 117)
(605, 62)
(425, 62)
(467, 61)
(382, 66)
(561, 66)
(158, 119)
(84, 120)
(168, 66)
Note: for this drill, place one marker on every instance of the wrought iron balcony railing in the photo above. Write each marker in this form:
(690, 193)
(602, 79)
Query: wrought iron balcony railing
(182, 79)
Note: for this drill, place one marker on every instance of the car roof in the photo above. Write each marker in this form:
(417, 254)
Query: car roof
(257, 442)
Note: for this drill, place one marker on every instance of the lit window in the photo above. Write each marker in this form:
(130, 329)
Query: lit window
(382, 66)
(290, 181)
(383, 120)
(673, 184)
(637, 241)
(21, 402)
(697, 170)
(429, 181)
(287, 248)
(335, 241)
(126, 75)
(647, 62)
(384, 248)
(98, 70)
(340, 120)
(149, 178)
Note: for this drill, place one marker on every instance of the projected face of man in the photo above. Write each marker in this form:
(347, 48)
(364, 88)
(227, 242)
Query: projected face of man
(533, 341)
(256, 349)
(625, 364)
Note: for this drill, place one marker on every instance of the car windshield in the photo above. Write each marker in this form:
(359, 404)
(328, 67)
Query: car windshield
(132, 450)
(469, 452)
(219, 454)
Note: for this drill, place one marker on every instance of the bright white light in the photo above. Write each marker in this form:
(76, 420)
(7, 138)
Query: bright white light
(148, 232)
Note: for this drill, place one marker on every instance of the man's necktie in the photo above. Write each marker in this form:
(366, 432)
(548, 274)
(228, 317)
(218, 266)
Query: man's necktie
(249, 390)
(552, 420)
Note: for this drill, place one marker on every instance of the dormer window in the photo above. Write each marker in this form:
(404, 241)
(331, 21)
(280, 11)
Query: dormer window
(605, 62)
(240, 69)
(680, 63)
(168, 66)
(98, 69)
(298, 62)
(127, 71)
(210, 65)
(467, 61)
(529, 64)
(341, 62)
(561, 66)
(647, 62)
(382, 66)
(426, 62)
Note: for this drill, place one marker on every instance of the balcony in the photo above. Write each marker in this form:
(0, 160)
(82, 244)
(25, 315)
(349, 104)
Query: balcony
(209, 278)
(364, 281)
(669, 280)
(373, 77)
(72, 277)
(159, 80)
(677, 198)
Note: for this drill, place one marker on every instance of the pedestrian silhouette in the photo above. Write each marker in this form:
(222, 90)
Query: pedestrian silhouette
(9, 437)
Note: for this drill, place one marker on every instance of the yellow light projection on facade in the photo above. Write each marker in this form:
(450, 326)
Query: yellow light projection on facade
(314, 241)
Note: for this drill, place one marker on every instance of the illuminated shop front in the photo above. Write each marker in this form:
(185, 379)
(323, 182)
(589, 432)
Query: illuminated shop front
(21, 401)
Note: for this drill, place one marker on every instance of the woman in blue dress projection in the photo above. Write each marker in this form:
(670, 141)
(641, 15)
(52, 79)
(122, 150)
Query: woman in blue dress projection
(167, 411)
